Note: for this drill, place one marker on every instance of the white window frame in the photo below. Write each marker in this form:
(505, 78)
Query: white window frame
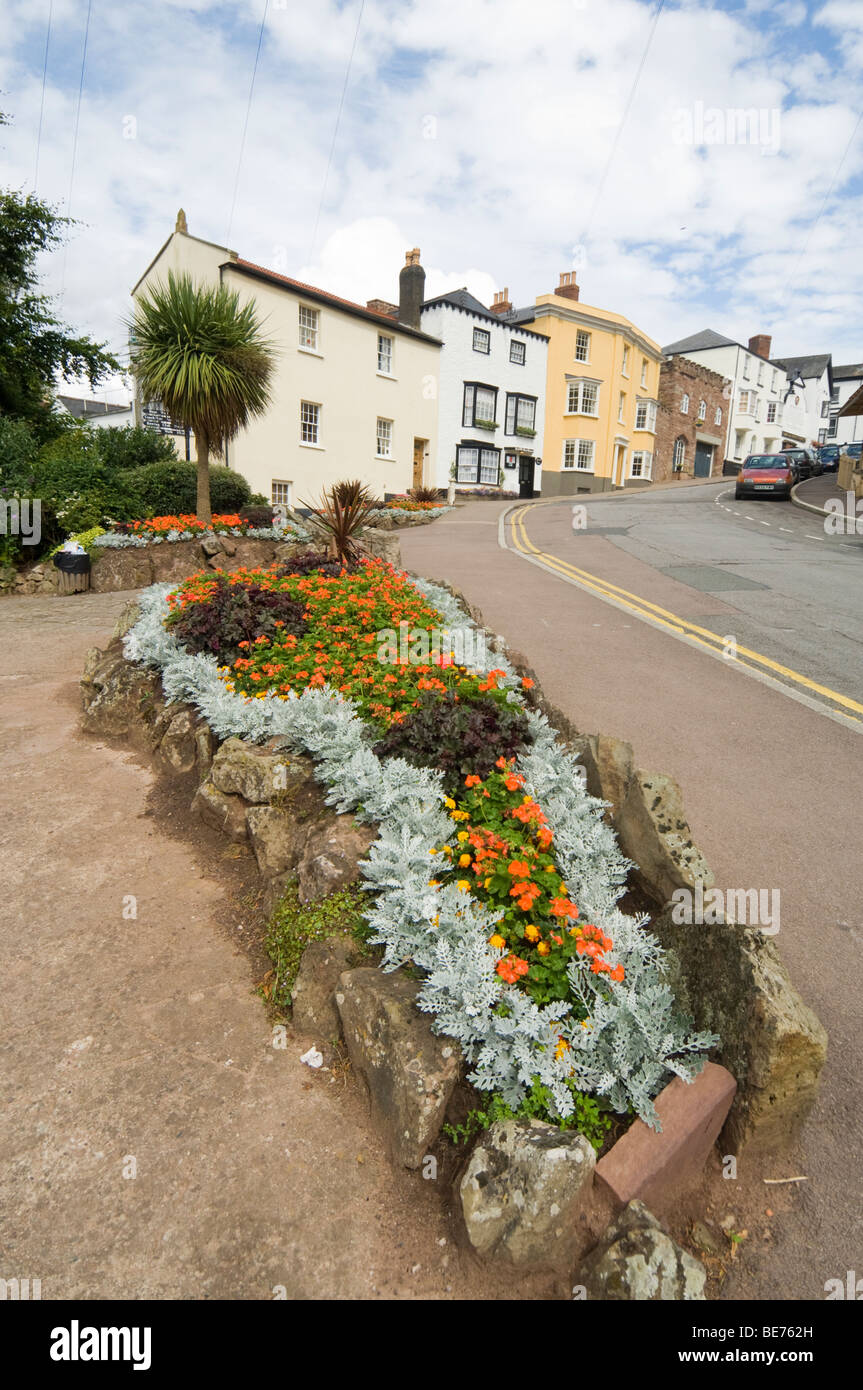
(385, 355)
(624, 369)
(771, 418)
(482, 333)
(621, 407)
(280, 498)
(678, 454)
(384, 438)
(746, 369)
(702, 410)
(760, 373)
(579, 386)
(684, 403)
(644, 372)
(484, 455)
(643, 460)
(310, 422)
(518, 343)
(309, 330)
(717, 419)
(582, 345)
(645, 416)
(579, 455)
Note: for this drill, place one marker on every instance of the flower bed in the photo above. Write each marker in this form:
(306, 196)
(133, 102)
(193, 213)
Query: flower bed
(407, 504)
(527, 960)
(187, 527)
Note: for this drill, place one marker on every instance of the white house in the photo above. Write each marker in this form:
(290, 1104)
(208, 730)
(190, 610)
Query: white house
(99, 414)
(354, 393)
(755, 392)
(806, 407)
(846, 380)
(492, 389)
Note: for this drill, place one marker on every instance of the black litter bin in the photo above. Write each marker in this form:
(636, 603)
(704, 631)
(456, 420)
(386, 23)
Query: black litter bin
(74, 572)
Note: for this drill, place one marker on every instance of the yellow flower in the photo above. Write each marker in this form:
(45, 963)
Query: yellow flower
(432, 851)
(543, 948)
(497, 941)
(562, 1048)
(458, 815)
(447, 849)
(463, 861)
(462, 836)
(486, 883)
(435, 919)
(433, 883)
(463, 884)
(448, 801)
(532, 933)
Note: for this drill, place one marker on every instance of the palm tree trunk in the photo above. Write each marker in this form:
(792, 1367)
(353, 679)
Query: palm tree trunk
(202, 446)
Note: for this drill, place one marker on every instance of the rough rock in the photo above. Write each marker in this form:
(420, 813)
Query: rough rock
(115, 570)
(523, 1189)
(174, 560)
(118, 696)
(313, 1000)
(654, 833)
(224, 813)
(410, 1073)
(384, 545)
(278, 838)
(206, 744)
(637, 1261)
(211, 545)
(259, 773)
(732, 981)
(331, 857)
(178, 749)
(610, 766)
(129, 615)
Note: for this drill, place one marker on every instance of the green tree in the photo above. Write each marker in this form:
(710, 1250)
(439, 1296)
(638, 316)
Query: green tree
(201, 352)
(35, 346)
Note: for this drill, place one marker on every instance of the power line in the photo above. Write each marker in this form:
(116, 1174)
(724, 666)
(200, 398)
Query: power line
(246, 123)
(42, 102)
(623, 121)
(336, 129)
(75, 138)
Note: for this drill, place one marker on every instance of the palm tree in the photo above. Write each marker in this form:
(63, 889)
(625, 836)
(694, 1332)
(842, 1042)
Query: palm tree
(201, 352)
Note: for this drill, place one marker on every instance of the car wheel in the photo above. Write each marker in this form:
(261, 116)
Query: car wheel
(737, 494)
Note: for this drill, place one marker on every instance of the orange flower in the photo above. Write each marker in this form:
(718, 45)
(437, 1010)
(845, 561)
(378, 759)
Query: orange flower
(472, 780)
(519, 868)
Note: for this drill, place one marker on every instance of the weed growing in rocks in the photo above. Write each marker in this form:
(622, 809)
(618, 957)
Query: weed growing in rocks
(293, 925)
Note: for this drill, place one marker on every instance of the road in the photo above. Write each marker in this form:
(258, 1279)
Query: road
(769, 765)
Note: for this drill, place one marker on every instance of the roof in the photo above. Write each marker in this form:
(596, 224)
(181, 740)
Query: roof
(805, 367)
(698, 342)
(260, 272)
(849, 372)
(464, 300)
(82, 408)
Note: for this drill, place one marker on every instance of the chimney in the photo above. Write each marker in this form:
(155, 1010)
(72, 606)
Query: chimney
(502, 302)
(180, 225)
(567, 289)
(760, 344)
(412, 280)
(383, 306)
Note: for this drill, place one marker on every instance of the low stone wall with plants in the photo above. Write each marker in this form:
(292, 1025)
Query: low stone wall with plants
(298, 779)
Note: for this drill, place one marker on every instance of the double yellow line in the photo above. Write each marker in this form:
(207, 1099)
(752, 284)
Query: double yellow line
(661, 617)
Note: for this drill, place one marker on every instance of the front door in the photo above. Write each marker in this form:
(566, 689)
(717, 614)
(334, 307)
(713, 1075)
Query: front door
(525, 476)
(419, 460)
(703, 460)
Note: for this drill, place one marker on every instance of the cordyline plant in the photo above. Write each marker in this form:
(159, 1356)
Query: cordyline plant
(340, 515)
(200, 352)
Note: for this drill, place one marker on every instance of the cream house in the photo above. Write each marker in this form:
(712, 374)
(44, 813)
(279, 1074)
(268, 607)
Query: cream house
(355, 388)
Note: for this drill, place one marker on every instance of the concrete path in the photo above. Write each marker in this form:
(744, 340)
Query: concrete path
(772, 789)
(137, 1046)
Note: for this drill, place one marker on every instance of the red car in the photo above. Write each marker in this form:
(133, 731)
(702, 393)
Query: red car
(766, 475)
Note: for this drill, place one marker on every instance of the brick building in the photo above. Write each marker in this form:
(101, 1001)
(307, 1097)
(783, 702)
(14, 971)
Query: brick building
(691, 421)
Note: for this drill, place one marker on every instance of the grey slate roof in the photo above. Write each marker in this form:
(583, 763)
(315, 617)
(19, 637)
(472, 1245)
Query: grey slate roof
(697, 342)
(848, 372)
(461, 299)
(805, 367)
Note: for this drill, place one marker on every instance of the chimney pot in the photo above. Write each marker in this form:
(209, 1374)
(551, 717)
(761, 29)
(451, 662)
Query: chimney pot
(412, 280)
(501, 303)
(568, 287)
(760, 344)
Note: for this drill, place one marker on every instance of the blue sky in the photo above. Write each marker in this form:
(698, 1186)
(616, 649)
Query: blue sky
(483, 131)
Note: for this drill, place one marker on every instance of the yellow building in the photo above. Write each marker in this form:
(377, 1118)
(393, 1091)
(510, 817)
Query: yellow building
(601, 394)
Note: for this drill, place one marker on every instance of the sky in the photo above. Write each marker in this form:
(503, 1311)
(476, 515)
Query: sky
(698, 165)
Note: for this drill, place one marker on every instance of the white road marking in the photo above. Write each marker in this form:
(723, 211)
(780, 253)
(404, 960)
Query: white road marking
(788, 529)
(763, 523)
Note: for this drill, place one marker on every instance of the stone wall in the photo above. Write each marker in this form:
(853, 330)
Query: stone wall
(679, 376)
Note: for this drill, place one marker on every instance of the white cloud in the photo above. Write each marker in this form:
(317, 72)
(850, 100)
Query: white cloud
(481, 132)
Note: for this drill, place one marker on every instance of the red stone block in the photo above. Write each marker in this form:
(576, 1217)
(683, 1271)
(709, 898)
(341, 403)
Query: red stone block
(651, 1166)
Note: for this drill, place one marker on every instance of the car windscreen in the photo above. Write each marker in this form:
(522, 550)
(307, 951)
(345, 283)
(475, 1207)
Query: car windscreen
(766, 461)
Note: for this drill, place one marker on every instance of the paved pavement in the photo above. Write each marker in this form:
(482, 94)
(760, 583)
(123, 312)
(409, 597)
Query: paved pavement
(155, 1144)
(771, 785)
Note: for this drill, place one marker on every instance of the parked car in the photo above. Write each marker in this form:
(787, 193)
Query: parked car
(767, 475)
(828, 455)
(807, 462)
(853, 450)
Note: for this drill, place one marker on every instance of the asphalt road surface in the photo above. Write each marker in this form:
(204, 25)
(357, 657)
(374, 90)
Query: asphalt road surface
(627, 623)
